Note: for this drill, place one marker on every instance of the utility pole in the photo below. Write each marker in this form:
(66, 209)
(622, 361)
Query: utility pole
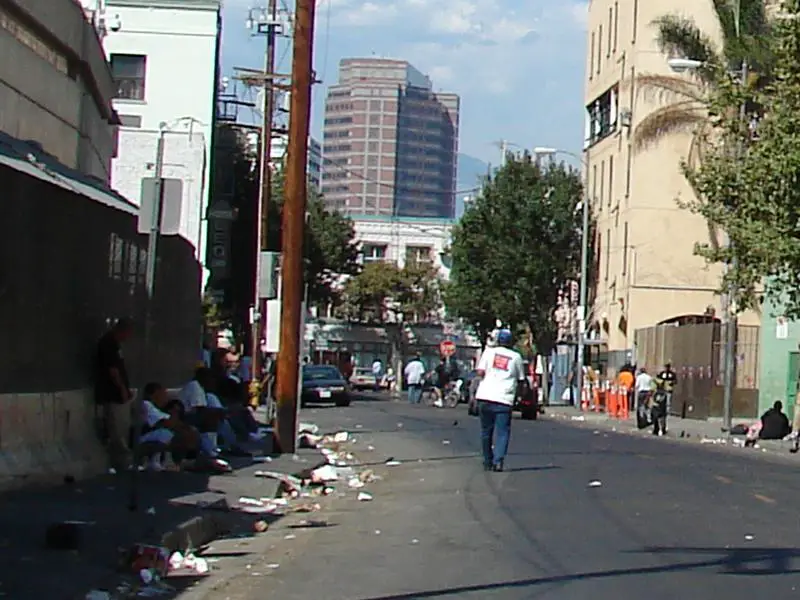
(150, 285)
(293, 226)
(270, 23)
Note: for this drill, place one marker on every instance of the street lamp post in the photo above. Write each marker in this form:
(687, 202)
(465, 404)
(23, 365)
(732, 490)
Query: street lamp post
(683, 65)
(583, 297)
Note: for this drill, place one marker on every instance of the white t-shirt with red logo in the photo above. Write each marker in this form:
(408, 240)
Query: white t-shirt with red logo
(503, 370)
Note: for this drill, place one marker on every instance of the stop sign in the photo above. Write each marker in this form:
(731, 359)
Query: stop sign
(447, 348)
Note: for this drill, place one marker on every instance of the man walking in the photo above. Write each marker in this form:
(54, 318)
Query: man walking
(414, 374)
(502, 374)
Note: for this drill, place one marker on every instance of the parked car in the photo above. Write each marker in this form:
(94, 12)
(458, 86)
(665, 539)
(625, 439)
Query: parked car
(363, 379)
(324, 383)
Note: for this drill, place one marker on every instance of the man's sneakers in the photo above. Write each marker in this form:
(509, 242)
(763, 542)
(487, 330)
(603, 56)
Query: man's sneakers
(496, 467)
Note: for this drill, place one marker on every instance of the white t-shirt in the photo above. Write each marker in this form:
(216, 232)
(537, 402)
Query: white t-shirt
(414, 372)
(503, 370)
(644, 382)
(192, 396)
(153, 415)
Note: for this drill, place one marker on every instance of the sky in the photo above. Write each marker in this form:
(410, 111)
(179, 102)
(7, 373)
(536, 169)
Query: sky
(518, 65)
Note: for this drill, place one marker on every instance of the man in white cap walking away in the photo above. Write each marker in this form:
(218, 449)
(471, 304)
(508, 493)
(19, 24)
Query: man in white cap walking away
(502, 374)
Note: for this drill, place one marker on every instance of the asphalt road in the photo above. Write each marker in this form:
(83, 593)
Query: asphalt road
(668, 520)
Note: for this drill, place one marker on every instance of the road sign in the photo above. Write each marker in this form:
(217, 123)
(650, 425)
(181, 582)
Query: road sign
(447, 348)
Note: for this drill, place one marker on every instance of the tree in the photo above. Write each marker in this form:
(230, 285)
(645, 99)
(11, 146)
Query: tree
(382, 290)
(516, 249)
(684, 104)
(330, 247)
(749, 185)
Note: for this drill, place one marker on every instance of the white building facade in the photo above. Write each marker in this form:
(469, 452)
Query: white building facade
(402, 239)
(164, 57)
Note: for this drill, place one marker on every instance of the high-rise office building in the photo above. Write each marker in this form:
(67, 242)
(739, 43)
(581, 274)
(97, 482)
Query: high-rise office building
(390, 142)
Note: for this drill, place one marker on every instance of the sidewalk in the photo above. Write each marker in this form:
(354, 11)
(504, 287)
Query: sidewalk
(178, 511)
(707, 432)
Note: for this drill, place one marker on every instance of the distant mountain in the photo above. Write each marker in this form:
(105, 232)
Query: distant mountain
(471, 170)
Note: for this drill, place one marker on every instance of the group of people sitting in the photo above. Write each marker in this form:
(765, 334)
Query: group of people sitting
(209, 417)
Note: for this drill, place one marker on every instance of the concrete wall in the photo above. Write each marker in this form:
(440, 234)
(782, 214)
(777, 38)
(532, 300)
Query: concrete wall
(68, 266)
(55, 86)
(648, 272)
(777, 344)
(184, 159)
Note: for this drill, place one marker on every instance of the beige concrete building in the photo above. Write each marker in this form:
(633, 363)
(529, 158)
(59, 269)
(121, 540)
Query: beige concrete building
(647, 271)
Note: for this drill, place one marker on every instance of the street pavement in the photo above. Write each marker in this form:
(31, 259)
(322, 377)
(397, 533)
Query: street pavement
(579, 513)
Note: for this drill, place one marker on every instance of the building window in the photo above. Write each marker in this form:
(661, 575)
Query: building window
(419, 254)
(635, 20)
(610, 31)
(628, 172)
(610, 180)
(608, 253)
(591, 58)
(373, 252)
(129, 71)
(599, 48)
(616, 25)
(130, 121)
(603, 115)
(625, 249)
(602, 181)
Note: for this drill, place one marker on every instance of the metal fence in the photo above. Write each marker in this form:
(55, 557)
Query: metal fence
(695, 352)
(68, 267)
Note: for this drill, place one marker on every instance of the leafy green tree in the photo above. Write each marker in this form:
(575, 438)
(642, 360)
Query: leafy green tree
(330, 246)
(382, 289)
(749, 185)
(516, 249)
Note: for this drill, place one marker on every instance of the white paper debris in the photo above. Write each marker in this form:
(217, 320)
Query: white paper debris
(146, 575)
(392, 463)
(364, 497)
(749, 537)
(151, 510)
(578, 418)
(355, 483)
(176, 560)
(415, 541)
(289, 536)
(273, 566)
(308, 428)
(324, 474)
(446, 442)
(201, 566)
(595, 483)
(341, 437)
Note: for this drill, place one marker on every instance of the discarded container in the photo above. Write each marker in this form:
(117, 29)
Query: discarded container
(143, 556)
(324, 474)
(364, 497)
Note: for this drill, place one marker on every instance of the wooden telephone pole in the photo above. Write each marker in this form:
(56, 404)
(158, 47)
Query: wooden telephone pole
(293, 226)
(265, 191)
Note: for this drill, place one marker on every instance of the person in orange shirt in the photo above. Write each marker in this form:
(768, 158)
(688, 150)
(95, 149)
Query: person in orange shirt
(625, 380)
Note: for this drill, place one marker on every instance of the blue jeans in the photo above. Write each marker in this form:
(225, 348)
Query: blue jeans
(495, 419)
(415, 393)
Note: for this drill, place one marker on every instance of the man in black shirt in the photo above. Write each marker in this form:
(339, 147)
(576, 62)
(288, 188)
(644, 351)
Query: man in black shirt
(112, 391)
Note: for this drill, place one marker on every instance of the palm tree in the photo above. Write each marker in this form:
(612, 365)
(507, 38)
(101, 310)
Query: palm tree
(683, 103)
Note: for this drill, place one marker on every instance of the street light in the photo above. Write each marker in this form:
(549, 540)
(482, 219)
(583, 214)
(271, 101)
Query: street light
(683, 65)
(583, 299)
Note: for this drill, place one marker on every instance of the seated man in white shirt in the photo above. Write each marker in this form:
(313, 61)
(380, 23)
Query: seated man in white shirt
(205, 411)
(503, 378)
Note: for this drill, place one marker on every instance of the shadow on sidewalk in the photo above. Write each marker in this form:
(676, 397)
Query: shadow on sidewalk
(176, 510)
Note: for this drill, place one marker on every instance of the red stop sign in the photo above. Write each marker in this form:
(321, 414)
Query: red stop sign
(447, 348)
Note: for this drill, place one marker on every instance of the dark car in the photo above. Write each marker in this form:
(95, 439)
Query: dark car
(324, 383)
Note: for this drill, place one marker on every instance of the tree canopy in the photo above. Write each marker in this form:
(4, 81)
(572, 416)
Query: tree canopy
(684, 104)
(330, 247)
(516, 248)
(749, 183)
(383, 289)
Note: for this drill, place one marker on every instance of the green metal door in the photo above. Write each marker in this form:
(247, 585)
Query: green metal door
(791, 383)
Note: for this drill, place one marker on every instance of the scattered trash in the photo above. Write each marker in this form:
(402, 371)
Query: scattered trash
(364, 497)
(98, 595)
(289, 536)
(355, 482)
(341, 437)
(324, 474)
(309, 524)
(151, 510)
(359, 426)
(377, 532)
(112, 471)
(415, 541)
(578, 418)
(595, 483)
(175, 560)
(146, 575)
(260, 526)
(399, 424)
(446, 442)
(308, 428)
(392, 463)
(262, 459)
(749, 537)
(307, 508)
(307, 440)
(371, 448)
(715, 441)
(273, 566)
(147, 557)
(455, 423)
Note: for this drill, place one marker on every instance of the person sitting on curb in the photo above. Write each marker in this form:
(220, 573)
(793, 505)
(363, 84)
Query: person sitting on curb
(204, 410)
(164, 430)
(232, 390)
(774, 425)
